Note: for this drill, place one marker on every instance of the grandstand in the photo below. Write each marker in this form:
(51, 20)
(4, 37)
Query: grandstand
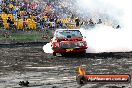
(27, 15)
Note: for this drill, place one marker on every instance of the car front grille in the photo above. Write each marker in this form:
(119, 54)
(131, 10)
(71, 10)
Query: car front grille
(66, 45)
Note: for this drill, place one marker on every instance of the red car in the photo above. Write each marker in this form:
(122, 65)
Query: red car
(68, 41)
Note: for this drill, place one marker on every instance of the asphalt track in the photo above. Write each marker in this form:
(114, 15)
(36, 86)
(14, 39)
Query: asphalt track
(30, 63)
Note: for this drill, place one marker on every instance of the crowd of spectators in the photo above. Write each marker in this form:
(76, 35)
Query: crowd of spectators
(45, 14)
(35, 14)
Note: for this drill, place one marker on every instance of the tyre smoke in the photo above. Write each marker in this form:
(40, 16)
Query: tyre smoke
(104, 37)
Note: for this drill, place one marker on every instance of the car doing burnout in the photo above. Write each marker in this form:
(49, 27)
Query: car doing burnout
(65, 41)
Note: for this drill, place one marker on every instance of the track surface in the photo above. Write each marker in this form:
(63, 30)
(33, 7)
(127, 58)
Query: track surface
(45, 71)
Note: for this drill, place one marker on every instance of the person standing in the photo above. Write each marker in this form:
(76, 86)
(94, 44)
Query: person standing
(42, 23)
(77, 22)
(100, 21)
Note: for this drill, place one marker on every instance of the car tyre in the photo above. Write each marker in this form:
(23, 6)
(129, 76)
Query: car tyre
(83, 53)
(63, 54)
(54, 54)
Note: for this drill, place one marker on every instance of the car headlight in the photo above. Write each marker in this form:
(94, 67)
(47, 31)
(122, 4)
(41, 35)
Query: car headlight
(56, 44)
(81, 44)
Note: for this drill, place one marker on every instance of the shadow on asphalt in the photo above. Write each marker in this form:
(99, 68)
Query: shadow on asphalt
(117, 55)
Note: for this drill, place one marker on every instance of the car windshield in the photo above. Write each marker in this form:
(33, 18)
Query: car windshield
(68, 34)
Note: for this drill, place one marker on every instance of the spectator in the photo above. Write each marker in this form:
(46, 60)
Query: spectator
(91, 23)
(118, 26)
(42, 23)
(1, 22)
(4, 9)
(53, 10)
(100, 21)
(10, 22)
(25, 23)
(77, 22)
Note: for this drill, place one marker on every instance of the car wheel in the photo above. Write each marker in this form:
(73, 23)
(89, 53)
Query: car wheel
(54, 54)
(63, 54)
(83, 53)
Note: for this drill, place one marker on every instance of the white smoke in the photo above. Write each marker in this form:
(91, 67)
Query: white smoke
(47, 48)
(105, 38)
(115, 10)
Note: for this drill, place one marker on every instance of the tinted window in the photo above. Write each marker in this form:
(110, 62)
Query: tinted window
(68, 34)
